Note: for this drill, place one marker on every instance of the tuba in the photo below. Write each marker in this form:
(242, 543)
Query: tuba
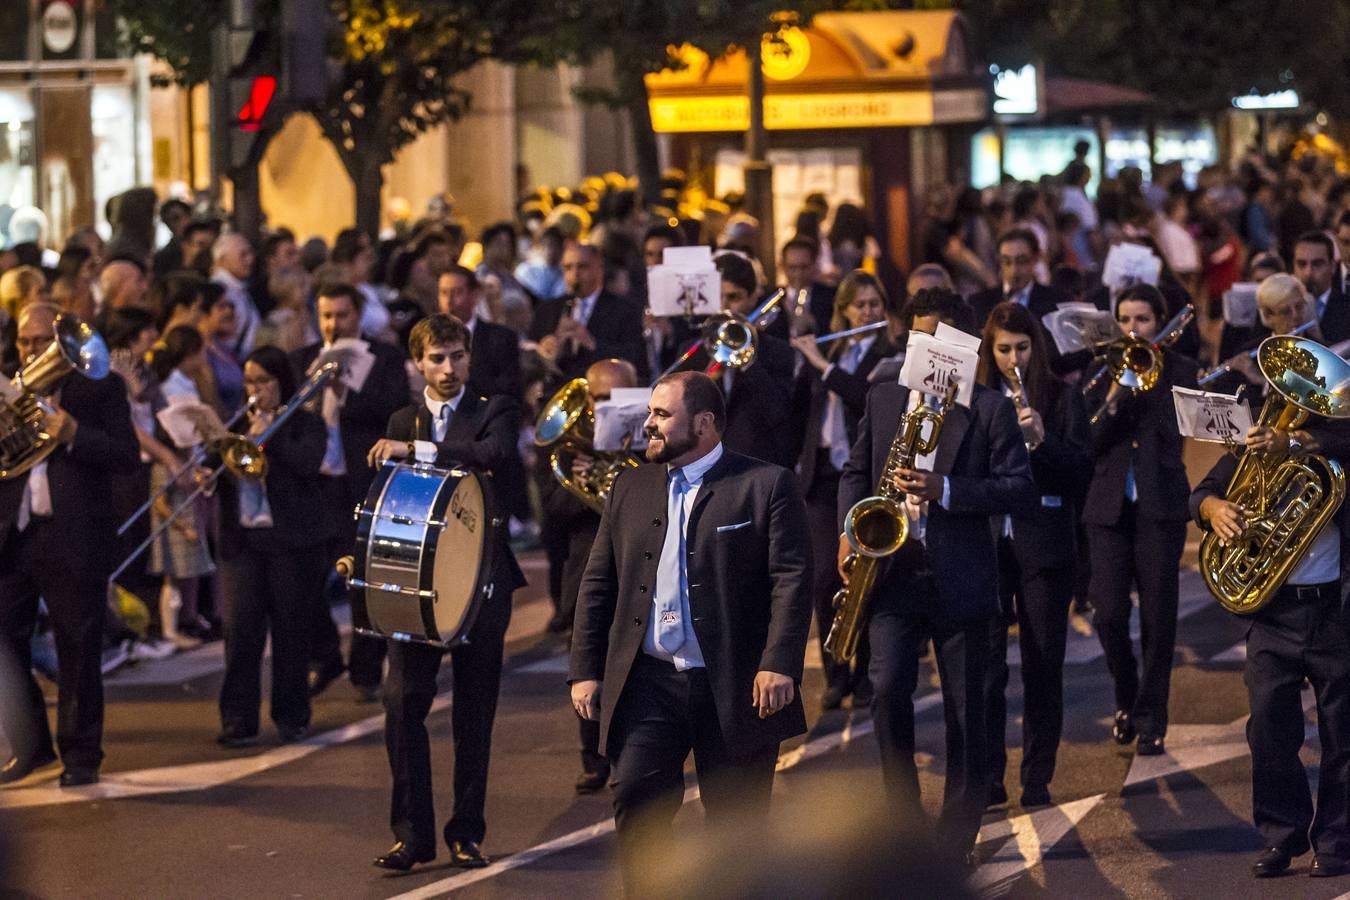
(24, 442)
(567, 425)
(1288, 500)
(876, 527)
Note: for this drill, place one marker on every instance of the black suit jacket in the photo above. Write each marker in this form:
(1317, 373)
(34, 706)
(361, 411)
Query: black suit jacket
(616, 325)
(851, 388)
(1335, 320)
(294, 455)
(1043, 299)
(1144, 429)
(985, 460)
(364, 414)
(79, 475)
(494, 364)
(749, 576)
(481, 436)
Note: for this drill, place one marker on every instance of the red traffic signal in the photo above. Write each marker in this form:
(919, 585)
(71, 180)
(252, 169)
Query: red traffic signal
(260, 94)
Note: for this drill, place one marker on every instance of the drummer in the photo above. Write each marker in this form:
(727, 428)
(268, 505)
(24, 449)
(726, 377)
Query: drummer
(450, 426)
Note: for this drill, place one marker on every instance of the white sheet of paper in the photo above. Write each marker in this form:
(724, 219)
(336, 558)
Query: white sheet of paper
(1130, 264)
(1080, 326)
(687, 257)
(956, 336)
(1239, 304)
(931, 365)
(1218, 418)
(673, 291)
(622, 416)
(189, 422)
(355, 358)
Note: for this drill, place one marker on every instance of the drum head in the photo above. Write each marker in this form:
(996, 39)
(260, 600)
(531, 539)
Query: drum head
(459, 561)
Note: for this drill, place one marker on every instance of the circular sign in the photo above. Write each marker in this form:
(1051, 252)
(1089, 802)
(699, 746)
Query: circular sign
(785, 54)
(59, 26)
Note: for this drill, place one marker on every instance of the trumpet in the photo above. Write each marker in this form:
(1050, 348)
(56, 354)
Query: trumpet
(244, 458)
(731, 340)
(1020, 401)
(1136, 363)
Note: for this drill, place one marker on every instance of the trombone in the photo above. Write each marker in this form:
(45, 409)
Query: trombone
(243, 457)
(731, 340)
(1136, 363)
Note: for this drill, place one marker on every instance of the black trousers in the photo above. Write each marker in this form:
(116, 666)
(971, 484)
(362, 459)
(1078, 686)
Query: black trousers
(662, 715)
(1038, 601)
(578, 551)
(898, 636)
(268, 589)
(33, 564)
(365, 661)
(822, 519)
(1293, 638)
(408, 695)
(1146, 554)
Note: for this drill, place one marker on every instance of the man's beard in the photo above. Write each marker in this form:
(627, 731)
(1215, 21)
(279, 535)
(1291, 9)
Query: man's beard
(675, 446)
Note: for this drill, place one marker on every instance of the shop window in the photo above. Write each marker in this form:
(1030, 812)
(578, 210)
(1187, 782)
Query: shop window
(14, 22)
(113, 123)
(17, 155)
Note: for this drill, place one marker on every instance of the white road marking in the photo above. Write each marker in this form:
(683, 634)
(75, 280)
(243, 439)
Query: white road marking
(193, 776)
(1027, 838)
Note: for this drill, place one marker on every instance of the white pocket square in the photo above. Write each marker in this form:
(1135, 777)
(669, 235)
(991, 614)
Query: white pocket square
(738, 525)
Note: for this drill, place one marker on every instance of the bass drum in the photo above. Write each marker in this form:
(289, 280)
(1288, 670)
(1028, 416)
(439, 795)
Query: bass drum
(423, 556)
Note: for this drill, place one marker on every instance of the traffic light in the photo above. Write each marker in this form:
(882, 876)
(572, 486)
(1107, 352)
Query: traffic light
(243, 85)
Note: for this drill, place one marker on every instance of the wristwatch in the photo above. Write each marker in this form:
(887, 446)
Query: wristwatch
(412, 451)
(1295, 445)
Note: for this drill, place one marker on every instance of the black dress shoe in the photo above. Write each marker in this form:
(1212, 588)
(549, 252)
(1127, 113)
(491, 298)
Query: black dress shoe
(321, 676)
(1149, 746)
(235, 740)
(402, 857)
(467, 855)
(1273, 861)
(833, 697)
(862, 693)
(1035, 795)
(590, 782)
(1123, 728)
(998, 795)
(1328, 866)
(18, 769)
(289, 734)
(78, 776)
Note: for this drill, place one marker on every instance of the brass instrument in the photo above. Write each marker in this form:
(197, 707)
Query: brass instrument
(1223, 369)
(24, 441)
(567, 425)
(1136, 363)
(876, 527)
(1019, 399)
(1287, 500)
(731, 340)
(243, 457)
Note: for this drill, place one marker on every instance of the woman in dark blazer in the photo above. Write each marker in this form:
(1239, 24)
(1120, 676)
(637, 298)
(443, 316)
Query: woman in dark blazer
(1135, 515)
(272, 537)
(835, 381)
(1037, 556)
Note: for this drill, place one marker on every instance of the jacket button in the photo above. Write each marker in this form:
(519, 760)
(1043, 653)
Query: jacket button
(637, 621)
(647, 555)
(656, 522)
(642, 589)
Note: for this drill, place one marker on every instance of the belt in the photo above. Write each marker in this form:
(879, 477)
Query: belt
(1310, 591)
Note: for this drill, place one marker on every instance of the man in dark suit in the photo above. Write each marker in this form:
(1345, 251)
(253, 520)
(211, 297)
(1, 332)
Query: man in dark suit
(943, 584)
(692, 622)
(355, 421)
(1019, 251)
(808, 312)
(450, 426)
(1315, 266)
(54, 535)
(589, 323)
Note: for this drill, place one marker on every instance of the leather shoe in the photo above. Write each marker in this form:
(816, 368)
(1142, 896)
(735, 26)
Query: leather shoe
(16, 769)
(321, 676)
(1273, 861)
(590, 782)
(998, 795)
(1328, 866)
(1035, 795)
(74, 776)
(1149, 746)
(833, 697)
(402, 857)
(467, 855)
(289, 734)
(235, 740)
(1123, 728)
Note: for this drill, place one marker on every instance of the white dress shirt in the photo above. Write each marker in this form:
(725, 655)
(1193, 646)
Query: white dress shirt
(440, 423)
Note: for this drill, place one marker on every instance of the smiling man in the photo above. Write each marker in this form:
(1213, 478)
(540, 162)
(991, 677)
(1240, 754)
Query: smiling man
(691, 623)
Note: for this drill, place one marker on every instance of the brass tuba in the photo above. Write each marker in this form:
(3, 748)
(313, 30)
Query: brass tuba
(24, 441)
(567, 426)
(1287, 500)
(876, 527)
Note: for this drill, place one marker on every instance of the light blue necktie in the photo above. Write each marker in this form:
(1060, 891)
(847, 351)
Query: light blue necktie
(670, 571)
(834, 411)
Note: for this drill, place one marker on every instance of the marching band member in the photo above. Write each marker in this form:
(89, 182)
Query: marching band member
(1036, 550)
(449, 426)
(1135, 515)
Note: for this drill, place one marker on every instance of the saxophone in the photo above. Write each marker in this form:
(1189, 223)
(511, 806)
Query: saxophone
(876, 527)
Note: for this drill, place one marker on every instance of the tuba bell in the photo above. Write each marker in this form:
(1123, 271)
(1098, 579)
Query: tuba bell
(24, 441)
(1288, 500)
(566, 427)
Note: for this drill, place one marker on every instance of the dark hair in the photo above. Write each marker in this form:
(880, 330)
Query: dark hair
(428, 239)
(180, 288)
(275, 240)
(1146, 293)
(553, 233)
(1344, 219)
(807, 225)
(946, 305)
(1026, 235)
(737, 270)
(492, 232)
(122, 326)
(700, 394)
(177, 345)
(672, 236)
(198, 225)
(342, 289)
(274, 362)
(1024, 201)
(850, 223)
(1318, 237)
(347, 245)
(434, 331)
(172, 204)
(463, 272)
(1041, 387)
(213, 292)
(73, 258)
(1268, 260)
(801, 243)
